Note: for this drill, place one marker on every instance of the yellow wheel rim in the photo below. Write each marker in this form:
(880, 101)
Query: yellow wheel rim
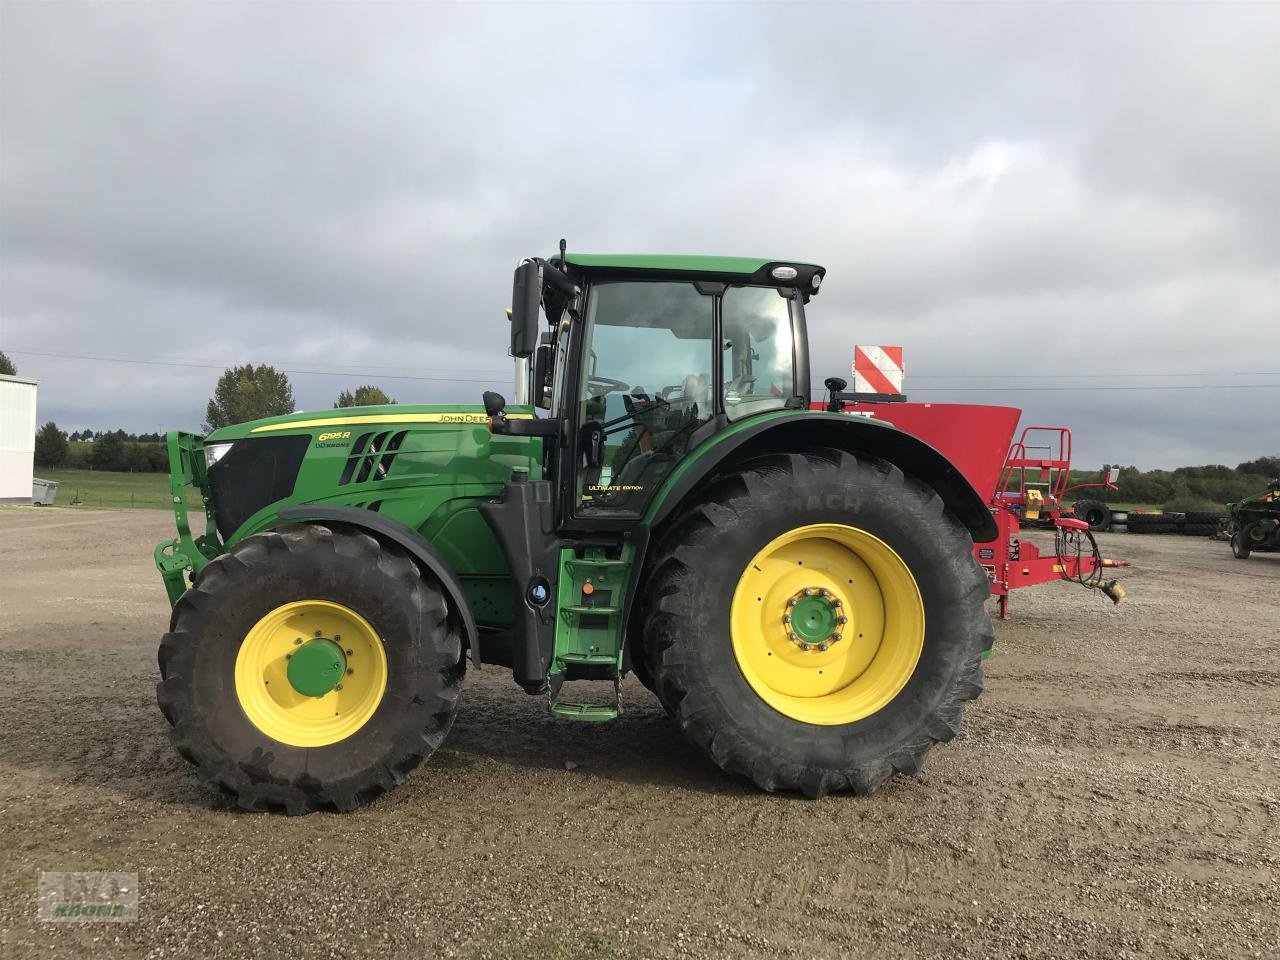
(827, 624)
(329, 691)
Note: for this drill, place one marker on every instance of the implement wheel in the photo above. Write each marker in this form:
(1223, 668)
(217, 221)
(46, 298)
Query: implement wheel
(1240, 545)
(309, 668)
(816, 622)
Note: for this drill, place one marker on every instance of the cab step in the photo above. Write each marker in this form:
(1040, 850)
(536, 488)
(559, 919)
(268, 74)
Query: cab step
(589, 712)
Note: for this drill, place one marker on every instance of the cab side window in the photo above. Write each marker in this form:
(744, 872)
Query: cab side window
(759, 360)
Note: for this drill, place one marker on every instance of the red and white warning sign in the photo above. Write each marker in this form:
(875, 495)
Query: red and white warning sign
(877, 370)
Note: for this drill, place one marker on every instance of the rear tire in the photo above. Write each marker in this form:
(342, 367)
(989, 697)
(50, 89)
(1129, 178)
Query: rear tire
(285, 756)
(694, 645)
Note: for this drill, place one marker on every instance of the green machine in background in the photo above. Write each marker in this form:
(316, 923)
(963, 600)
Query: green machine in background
(795, 586)
(1253, 524)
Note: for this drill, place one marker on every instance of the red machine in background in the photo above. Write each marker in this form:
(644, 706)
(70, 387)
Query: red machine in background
(1018, 486)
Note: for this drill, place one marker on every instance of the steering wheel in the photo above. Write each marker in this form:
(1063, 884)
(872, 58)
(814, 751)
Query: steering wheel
(599, 386)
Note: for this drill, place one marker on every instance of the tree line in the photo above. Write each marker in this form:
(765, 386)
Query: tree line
(252, 392)
(1187, 488)
(241, 394)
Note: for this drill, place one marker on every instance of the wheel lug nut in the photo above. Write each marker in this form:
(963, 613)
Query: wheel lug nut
(823, 645)
(840, 620)
(351, 652)
(350, 671)
(810, 591)
(338, 687)
(297, 642)
(786, 618)
(834, 638)
(337, 638)
(319, 634)
(791, 602)
(838, 604)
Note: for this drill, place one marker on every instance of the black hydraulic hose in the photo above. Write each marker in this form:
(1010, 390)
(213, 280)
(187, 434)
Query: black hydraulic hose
(1093, 580)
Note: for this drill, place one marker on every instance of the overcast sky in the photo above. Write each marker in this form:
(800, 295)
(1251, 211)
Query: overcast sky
(1037, 201)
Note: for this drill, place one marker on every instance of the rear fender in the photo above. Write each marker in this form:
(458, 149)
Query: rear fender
(793, 432)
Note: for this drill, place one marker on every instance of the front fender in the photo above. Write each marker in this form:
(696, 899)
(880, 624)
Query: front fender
(387, 529)
(787, 431)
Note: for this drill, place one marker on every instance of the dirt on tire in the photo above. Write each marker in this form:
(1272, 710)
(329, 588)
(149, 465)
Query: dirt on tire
(1114, 794)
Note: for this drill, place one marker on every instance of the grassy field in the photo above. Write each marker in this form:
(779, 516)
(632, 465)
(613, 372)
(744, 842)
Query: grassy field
(102, 488)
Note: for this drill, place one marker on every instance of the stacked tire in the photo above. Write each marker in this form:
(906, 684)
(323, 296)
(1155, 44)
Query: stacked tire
(1152, 523)
(1201, 523)
(1193, 523)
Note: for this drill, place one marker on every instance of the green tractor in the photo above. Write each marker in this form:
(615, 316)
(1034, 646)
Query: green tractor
(1253, 524)
(796, 587)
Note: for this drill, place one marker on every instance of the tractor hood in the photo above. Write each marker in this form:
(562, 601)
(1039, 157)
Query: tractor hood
(348, 418)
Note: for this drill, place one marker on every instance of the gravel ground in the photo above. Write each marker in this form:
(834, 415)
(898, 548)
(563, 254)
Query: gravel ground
(1115, 794)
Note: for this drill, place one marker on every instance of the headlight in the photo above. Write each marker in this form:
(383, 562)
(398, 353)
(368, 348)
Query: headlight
(214, 452)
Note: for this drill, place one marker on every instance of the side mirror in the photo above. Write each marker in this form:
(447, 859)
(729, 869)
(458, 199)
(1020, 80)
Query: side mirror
(526, 295)
(1112, 473)
(541, 370)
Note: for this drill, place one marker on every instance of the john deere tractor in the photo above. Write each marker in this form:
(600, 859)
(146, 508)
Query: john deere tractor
(796, 587)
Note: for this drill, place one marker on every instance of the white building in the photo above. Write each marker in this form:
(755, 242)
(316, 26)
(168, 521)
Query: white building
(17, 438)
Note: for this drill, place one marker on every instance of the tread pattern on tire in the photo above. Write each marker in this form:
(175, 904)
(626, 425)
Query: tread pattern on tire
(1151, 523)
(250, 782)
(1204, 516)
(698, 706)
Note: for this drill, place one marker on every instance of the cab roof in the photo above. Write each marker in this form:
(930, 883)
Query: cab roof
(731, 269)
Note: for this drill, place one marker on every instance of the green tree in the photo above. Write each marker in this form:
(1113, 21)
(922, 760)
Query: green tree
(248, 393)
(1262, 467)
(158, 458)
(366, 396)
(6, 366)
(135, 458)
(51, 446)
(108, 453)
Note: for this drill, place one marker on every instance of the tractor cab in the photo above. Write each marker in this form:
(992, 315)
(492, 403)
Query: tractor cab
(639, 359)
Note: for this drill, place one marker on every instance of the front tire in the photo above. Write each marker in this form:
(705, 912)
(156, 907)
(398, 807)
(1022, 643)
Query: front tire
(815, 702)
(362, 651)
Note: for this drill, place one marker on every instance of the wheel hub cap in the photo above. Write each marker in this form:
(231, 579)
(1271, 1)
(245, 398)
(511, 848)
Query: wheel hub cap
(316, 667)
(813, 618)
